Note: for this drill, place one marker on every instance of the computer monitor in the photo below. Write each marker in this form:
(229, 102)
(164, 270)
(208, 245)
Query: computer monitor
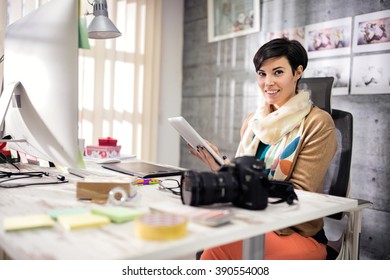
(41, 52)
(320, 89)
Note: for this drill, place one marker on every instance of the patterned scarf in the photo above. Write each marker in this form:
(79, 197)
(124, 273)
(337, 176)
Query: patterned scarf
(281, 130)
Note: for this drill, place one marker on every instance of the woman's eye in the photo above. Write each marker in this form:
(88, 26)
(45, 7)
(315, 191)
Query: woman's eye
(261, 74)
(278, 72)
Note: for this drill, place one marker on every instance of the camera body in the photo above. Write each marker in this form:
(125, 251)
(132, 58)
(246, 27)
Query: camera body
(243, 182)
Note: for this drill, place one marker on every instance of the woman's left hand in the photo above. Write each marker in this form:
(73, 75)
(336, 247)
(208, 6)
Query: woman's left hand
(205, 156)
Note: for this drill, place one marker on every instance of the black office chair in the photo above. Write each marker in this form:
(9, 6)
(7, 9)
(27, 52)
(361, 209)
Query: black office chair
(320, 89)
(342, 229)
(337, 180)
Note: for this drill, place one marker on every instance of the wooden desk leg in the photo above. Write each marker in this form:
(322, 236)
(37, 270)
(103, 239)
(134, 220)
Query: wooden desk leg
(357, 226)
(253, 248)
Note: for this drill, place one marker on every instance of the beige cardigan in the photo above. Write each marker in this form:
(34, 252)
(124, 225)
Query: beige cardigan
(315, 151)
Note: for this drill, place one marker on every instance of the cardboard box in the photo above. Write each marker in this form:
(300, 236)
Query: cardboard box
(98, 191)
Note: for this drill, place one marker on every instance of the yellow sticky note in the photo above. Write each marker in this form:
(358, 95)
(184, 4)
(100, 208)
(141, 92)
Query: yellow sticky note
(27, 222)
(80, 221)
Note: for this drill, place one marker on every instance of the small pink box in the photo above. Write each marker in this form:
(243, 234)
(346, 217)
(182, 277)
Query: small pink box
(102, 151)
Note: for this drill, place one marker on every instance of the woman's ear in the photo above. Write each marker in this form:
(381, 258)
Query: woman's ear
(299, 71)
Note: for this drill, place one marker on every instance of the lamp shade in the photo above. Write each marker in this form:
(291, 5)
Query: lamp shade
(101, 26)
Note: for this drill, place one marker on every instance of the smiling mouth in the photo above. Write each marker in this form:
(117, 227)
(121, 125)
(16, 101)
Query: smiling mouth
(272, 92)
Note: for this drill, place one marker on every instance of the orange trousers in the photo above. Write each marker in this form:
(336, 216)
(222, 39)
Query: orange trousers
(291, 247)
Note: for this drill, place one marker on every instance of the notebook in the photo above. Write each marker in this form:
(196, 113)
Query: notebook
(144, 169)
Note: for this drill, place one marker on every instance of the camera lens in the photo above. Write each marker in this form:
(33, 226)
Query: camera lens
(207, 188)
(189, 189)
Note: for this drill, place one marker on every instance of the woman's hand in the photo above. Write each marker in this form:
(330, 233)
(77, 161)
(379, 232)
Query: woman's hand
(204, 155)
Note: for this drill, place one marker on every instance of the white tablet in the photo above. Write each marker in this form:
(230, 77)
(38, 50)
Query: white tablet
(192, 137)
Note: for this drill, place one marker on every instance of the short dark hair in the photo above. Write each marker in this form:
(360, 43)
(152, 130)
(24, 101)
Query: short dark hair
(291, 49)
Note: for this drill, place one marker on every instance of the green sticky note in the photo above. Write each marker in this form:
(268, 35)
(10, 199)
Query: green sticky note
(27, 222)
(118, 214)
(67, 211)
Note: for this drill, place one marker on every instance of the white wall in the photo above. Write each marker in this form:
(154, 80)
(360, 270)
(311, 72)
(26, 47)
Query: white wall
(3, 22)
(170, 80)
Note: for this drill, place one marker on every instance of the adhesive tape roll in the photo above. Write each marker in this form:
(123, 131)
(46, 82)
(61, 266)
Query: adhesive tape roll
(117, 196)
(160, 226)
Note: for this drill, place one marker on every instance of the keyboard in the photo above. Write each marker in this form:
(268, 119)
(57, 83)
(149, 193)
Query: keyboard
(83, 173)
(23, 167)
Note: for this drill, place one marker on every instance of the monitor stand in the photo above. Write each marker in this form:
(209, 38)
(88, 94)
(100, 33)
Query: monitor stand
(5, 100)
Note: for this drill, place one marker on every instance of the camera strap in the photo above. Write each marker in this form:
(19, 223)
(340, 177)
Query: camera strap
(283, 190)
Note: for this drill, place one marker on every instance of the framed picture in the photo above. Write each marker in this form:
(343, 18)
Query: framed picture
(329, 38)
(338, 68)
(297, 33)
(371, 74)
(231, 18)
(371, 32)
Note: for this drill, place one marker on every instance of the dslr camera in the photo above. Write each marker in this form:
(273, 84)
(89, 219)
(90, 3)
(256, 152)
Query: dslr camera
(243, 182)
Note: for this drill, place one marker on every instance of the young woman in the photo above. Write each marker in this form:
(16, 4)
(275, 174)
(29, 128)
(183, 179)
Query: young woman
(296, 140)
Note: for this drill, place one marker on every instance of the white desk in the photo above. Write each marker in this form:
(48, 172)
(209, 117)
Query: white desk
(117, 241)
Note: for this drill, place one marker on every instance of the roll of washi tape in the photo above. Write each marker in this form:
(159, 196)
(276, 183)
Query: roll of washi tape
(161, 227)
(117, 196)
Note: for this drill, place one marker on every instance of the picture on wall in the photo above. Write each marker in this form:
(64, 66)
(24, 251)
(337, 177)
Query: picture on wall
(371, 32)
(292, 34)
(338, 68)
(231, 18)
(370, 74)
(329, 38)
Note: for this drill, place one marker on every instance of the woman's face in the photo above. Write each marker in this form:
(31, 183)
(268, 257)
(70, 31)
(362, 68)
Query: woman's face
(277, 81)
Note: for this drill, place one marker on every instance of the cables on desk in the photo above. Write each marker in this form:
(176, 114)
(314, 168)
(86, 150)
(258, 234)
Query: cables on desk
(7, 176)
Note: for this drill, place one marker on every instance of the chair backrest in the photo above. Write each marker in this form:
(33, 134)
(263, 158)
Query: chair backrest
(320, 89)
(338, 176)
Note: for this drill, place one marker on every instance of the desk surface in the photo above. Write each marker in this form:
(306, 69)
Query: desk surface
(118, 241)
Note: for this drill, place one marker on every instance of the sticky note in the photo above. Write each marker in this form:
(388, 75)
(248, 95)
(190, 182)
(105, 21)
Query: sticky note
(81, 221)
(118, 214)
(66, 211)
(27, 222)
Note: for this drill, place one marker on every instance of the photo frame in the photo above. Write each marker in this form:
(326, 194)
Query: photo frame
(371, 32)
(338, 68)
(329, 38)
(228, 19)
(297, 33)
(371, 74)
